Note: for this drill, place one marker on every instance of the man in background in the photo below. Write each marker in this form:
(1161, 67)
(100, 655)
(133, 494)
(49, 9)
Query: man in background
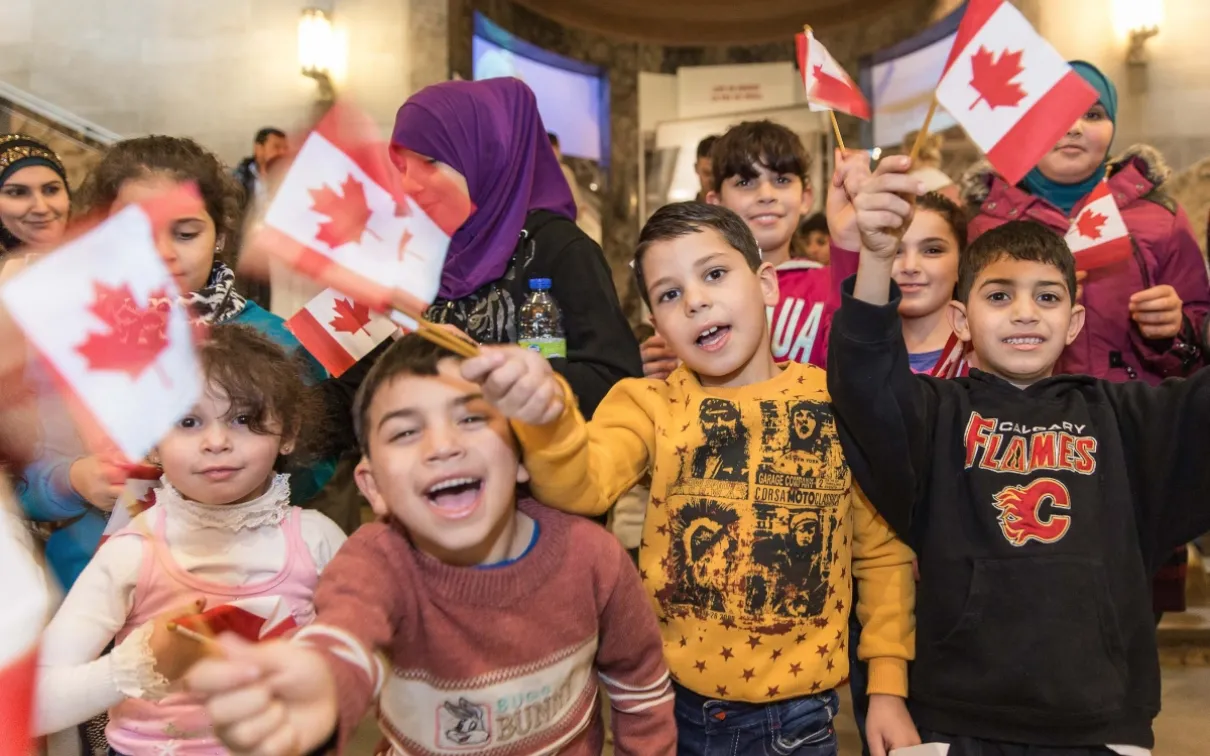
(252, 173)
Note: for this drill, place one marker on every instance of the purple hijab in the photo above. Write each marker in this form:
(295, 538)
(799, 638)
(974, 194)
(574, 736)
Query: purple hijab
(490, 132)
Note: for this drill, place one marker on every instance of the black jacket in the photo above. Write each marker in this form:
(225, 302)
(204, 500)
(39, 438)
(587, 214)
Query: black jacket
(1038, 516)
(601, 348)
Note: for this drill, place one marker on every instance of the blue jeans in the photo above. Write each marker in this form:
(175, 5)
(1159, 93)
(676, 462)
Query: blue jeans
(798, 726)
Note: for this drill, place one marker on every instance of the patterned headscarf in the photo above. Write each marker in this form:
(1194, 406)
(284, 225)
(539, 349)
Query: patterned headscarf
(18, 151)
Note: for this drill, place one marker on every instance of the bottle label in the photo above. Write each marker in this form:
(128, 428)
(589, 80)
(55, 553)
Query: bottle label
(549, 347)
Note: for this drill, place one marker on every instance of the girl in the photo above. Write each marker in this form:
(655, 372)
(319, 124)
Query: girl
(490, 135)
(1146, 316)
(926, 269)
(222, 530)
(85, 487)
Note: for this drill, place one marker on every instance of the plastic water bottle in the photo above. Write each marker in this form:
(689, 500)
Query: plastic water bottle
(540, 324)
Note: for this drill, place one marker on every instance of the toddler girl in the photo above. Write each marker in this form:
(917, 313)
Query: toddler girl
(222, 533)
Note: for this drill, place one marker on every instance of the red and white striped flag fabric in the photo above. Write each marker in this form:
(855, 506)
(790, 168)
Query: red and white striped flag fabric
(953, 363)
(254, 619)
(138, 495)
(1012, 92)
(828, 85)
(1098, 235)
(347, 218)
(339, 331)
(21, 622)
(102, 312)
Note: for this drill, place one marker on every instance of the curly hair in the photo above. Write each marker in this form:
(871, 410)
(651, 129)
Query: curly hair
(179, 157)
(264, 383)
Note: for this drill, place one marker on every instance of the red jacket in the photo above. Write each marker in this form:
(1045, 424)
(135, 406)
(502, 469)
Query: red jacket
(1165, 252)
(809, 295)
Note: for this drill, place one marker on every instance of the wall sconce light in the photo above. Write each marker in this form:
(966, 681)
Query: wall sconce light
(1137, 21)
(317, 50)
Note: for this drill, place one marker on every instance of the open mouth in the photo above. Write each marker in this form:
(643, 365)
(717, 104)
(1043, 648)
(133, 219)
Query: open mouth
(1024, 343)
(765, 218)
(714, 337)
(455, 497)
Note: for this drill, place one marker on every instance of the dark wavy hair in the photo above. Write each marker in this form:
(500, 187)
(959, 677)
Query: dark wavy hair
(265, 384)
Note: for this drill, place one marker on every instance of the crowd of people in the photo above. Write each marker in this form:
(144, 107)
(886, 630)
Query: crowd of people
(902, 444)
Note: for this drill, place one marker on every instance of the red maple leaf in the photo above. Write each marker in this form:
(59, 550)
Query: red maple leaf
(834, 91)
(351, 317)
(994, 80)
(348, 213)
(135, 335)
(1089, 224)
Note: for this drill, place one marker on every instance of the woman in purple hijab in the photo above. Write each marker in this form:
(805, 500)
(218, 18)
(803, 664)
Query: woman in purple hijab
(523, 227)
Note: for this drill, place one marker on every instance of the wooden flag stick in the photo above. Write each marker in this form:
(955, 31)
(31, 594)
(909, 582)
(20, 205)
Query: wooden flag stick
(195, 636)
(836, 131)
(924, 130)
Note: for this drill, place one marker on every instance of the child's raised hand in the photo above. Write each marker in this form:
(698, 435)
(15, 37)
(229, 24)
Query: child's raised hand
(884, 203)
(852, 167)
(658, 360)
(267, 699)
(518, 381)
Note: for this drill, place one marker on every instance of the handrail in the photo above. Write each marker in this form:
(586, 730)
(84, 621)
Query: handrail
(57, 115)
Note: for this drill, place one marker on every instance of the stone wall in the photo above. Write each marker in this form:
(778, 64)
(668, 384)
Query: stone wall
(624, 61)
(215, 70)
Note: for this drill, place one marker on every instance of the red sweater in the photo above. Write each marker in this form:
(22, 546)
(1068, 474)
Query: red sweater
(504, 660)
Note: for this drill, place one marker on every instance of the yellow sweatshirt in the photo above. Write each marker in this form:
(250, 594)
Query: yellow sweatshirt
(751, 533)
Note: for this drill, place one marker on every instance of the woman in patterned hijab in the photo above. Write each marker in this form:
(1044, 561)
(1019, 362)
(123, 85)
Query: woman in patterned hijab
(34, 199)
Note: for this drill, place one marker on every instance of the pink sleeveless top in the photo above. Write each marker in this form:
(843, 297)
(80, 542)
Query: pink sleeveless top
(177, 724)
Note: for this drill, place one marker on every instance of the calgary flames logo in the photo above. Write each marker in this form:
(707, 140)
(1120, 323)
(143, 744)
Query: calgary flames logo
(1021, 516)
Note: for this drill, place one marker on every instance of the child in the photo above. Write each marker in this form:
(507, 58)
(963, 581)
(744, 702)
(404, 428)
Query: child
(753, 524)
(77, 490)
(497, 616)
(813, 240)
(926, 270)
(222, 531)
(1038, 506)
(760, 173)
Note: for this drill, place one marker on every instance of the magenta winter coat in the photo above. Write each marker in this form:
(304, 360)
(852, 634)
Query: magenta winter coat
(1165, 252)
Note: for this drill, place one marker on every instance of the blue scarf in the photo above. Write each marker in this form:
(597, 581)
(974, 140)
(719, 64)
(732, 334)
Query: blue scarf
(1065, 196)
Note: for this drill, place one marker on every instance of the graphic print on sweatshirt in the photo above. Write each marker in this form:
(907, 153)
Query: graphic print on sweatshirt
(752, 529)
(1040, 509)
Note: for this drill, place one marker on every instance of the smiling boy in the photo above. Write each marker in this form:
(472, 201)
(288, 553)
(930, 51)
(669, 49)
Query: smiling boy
(753, 524)
(498, 618)
(1038, 505)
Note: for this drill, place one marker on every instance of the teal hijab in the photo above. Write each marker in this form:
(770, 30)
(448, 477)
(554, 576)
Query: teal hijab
(1065, 196)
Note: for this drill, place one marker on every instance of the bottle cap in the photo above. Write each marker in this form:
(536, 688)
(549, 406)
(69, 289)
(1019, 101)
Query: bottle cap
(539, 284)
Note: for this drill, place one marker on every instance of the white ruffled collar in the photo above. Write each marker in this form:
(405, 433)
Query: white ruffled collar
(270, 508)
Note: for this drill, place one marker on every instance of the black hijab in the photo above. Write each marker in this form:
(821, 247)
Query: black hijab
(18, 151)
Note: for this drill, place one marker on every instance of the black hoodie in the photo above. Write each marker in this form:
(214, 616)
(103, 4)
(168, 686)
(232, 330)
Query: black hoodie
(1038, 516)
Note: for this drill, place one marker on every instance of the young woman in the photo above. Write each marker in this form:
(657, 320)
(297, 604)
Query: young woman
(489, 135)
(34, 199)
(80, 490)
(222, 535)
(1146, 316)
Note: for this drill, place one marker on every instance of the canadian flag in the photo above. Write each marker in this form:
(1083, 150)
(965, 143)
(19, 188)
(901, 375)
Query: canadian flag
(102, 311)
(138, 495)
(1012, 92)
(347, 218)
(1098, 235)
(21, 622)
(828, 86)
(254, 619)
(953, 362)
(338, 330)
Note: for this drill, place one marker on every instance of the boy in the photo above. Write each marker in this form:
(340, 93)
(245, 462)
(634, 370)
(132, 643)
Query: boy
(814, 239)
(753, 519)
(497, 617)
(761, 173)
(1038, 506)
